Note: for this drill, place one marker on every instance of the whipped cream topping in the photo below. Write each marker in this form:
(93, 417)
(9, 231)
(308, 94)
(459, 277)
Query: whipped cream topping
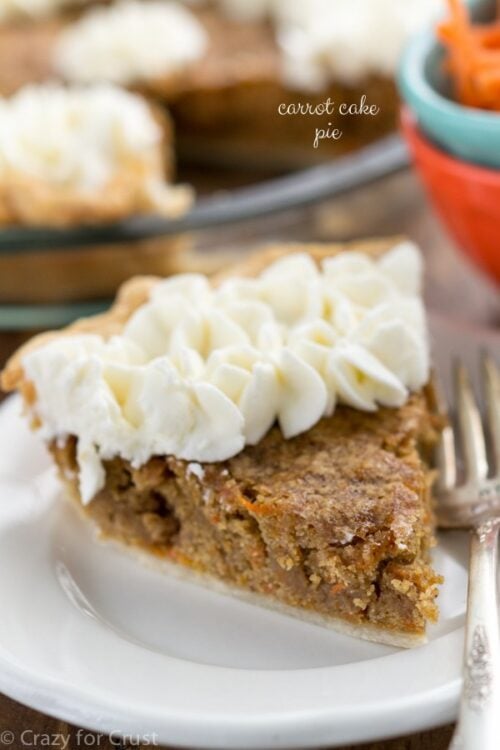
(12, 10)
(198, 373)
(346, 39)
(133, 40)
(81, 138)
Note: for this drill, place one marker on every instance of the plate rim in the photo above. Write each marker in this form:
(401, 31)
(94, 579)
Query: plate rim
(323, 727)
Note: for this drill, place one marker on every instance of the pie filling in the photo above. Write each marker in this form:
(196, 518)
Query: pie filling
(336, 522)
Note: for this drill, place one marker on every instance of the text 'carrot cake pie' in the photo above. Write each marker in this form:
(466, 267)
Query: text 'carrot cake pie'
(83, 155)
(270, 431)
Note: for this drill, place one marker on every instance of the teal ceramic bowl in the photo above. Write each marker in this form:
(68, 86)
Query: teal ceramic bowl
(471, 134)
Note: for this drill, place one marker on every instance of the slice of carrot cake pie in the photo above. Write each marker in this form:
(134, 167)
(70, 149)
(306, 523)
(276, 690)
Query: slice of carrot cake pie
(84, 155)
(270, 430)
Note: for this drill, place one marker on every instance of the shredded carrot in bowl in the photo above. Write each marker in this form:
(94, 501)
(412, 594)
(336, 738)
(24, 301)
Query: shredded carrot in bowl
(473, 56)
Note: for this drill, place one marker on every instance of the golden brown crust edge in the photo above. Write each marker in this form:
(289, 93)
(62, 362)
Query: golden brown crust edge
(136, 291)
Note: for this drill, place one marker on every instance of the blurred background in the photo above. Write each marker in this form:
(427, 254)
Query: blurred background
(244, 91)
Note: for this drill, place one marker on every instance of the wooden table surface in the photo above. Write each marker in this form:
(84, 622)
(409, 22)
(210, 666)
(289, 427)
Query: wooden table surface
(453, 287)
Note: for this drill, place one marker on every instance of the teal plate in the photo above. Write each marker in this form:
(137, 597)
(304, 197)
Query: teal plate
(470, 134)
(41, 317)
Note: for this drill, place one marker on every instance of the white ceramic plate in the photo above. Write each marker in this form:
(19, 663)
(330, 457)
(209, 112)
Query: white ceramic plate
(90, 635)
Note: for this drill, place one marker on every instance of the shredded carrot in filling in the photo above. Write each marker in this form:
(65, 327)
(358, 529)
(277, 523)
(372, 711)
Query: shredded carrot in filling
(473, 56)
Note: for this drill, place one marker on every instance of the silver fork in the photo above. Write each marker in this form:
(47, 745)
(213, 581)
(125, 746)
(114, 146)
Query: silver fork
(475, 504)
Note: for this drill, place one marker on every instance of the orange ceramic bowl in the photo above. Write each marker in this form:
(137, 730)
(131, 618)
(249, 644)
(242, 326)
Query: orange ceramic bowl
(466, 197)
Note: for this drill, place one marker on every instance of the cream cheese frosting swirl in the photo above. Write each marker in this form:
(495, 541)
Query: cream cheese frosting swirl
(346, 40)
(130, 41)
(77, 136)
(198, 373)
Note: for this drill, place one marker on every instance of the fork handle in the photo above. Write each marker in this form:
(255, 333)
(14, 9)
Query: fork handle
(479, 714)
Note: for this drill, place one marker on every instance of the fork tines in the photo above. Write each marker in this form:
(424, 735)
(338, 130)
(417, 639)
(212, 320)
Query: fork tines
(478, 496)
